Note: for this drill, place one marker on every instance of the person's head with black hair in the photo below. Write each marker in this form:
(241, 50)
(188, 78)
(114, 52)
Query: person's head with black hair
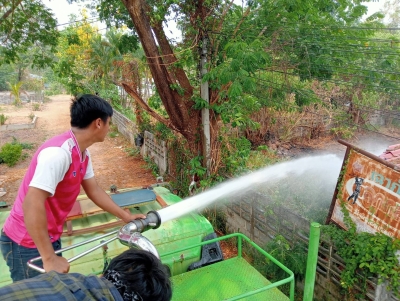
(138, 275)
(86, 108)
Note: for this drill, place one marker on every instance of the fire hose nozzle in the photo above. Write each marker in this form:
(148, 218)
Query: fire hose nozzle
(130, 236)
(152, 221)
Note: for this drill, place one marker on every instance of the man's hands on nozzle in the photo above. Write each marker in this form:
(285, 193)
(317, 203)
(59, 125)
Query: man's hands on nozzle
(130, 217)
(56, 263)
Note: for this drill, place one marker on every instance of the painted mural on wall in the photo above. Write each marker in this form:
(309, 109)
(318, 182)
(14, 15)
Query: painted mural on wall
(371, 192)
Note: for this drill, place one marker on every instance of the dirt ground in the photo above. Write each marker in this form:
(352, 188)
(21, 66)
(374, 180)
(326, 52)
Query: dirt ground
(112, 164)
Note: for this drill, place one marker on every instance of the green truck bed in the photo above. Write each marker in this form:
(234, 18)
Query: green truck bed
(225, 280)
(230, 279)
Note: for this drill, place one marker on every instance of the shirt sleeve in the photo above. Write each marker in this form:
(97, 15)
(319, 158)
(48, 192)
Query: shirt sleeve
(52, 165)
(89, 169)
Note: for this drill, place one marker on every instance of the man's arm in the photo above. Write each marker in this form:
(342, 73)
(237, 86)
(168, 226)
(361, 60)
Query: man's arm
(36, 223)
(103, 200)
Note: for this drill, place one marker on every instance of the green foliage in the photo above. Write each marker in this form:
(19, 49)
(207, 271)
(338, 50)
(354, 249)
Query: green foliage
(74, 52)
(30, 26)
(177, 88)
(127, 43)
(235, 154)
(24, 145)
(344, 132)
(365, 256)
(54, 88)
(31, 116)
(7, 74)
(133, 152)
(217, 217)
(116, 104)
(10, 153)
(292, 255)
(16, 92)
(35, 106)
(3, 119)
(155, 101)
(150, 164)
(201, 103)
(109, 93)
(145, 124)
(33, 84)
(113, 131)
(262, 157)
(162, 131)
(196, 167)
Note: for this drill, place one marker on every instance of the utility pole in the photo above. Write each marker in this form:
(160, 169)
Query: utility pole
(205, 113)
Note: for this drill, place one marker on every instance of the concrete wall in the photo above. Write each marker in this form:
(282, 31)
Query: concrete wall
(156, 150)
(152, 147)
(125, 126)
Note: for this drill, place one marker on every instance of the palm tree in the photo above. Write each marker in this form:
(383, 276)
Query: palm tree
(103, 56)
(16, 92)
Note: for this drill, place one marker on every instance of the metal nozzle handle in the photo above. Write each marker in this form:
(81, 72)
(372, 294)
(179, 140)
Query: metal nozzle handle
(33, 266)
(152, 221)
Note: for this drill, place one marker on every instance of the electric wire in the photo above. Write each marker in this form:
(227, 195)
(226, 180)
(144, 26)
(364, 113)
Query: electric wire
(340, 82)
(348, 123)
(326, 41)
(77, 21)
(306, 92)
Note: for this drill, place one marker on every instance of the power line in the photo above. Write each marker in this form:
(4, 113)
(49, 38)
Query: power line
(328, 27)
(326, 67)
(339, 48)
(77, 21)
(328, 36)
(346, 122)
(391, 113)
(338, 81)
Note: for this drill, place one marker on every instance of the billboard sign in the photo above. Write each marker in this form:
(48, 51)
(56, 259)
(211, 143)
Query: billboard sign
(369, 189)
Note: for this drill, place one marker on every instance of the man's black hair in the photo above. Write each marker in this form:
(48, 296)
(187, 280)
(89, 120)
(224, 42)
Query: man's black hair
(88, 107)
(142, 272)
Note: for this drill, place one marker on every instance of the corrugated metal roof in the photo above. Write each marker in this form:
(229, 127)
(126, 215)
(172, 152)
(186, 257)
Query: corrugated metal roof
(392, 154)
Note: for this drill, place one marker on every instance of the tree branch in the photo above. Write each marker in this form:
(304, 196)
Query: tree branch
(10, 11)
(145, 107)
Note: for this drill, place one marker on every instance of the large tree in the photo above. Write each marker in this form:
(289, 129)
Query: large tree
(243, 43)
(27, 25)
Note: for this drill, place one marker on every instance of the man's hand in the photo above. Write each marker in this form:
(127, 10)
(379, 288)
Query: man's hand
(130, 217)
(56, 263)
(36, 223)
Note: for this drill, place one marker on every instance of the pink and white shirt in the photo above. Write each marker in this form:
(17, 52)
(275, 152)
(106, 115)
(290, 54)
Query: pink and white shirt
(59, 168)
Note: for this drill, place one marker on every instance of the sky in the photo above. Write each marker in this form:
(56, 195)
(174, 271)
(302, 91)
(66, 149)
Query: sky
(62, 11)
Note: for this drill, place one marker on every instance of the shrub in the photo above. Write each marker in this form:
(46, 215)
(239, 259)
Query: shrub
(35, 106)
(10, 153)
(3, 119)
(24, 145)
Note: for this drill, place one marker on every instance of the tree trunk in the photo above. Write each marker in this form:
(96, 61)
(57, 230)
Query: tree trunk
(169, 80)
